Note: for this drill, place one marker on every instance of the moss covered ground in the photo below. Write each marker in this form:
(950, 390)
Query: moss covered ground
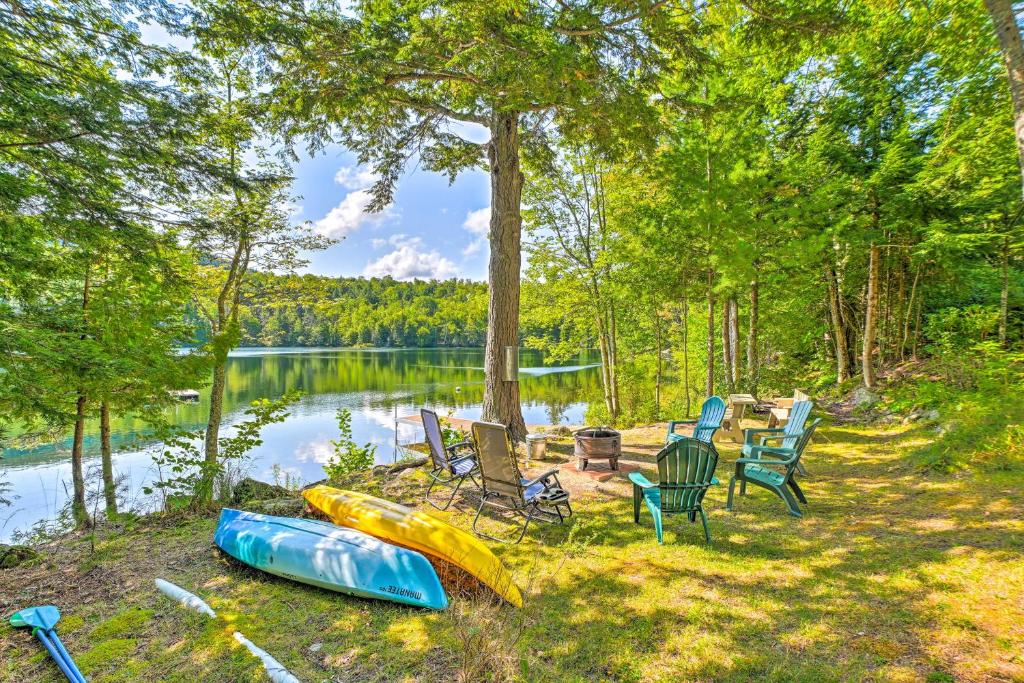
(894, 574)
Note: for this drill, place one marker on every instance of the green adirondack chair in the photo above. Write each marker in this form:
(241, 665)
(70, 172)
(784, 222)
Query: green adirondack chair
(756, 469)
(705, 426)
(686, 469)
(788, 435)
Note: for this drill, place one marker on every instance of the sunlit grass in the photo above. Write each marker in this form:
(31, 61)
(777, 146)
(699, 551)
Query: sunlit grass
(891, 575)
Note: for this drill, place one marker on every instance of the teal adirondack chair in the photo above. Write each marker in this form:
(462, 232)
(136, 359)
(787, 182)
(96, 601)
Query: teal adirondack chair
(756, 469)
(686, 469)
(788, 435)
(705, 426)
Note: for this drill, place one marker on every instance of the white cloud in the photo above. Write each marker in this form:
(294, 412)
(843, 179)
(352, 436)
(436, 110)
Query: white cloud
(377, 242)
(348, 216)
(351, 214)
(355, 178)
(407, 262)
(478, 223)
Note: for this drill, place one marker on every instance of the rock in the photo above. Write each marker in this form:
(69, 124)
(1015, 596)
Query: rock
(13, 555)
(561, 431)
(913, 417)
(282, 507)
(251, 489)
(930, 414)
(315, 647)
(862, 396)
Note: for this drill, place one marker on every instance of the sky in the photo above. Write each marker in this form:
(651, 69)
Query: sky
(431, 230)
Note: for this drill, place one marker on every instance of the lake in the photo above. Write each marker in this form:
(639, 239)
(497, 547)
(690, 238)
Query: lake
(377, 385)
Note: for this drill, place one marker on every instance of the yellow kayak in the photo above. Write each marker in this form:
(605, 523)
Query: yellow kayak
(416, 530)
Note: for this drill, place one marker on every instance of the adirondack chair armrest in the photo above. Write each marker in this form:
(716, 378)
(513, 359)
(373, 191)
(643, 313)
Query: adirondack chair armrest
(542, 478)
(748, 434)
(780, 453)
(762, 461)
(672, 424)
(779, 437)
(641, 481)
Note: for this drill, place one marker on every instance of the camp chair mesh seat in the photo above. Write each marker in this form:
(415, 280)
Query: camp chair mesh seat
(705, 426)
(505, 488)
(787, 436)
(450, 465)
(686, 469)
(760, 470)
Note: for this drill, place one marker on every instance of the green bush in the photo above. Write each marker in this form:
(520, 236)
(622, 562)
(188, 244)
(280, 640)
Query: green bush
(348, 456)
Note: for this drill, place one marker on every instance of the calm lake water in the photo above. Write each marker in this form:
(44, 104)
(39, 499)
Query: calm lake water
(376, 385)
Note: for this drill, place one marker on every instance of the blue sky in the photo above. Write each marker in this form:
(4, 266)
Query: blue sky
(432, 229)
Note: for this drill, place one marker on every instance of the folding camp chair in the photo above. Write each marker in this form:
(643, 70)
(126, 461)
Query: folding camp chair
(451, 464)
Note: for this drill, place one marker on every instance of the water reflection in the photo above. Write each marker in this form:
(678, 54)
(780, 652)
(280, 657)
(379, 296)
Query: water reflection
(376, 385)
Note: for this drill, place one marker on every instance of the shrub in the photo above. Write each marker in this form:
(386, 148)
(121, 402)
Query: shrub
(348, 456)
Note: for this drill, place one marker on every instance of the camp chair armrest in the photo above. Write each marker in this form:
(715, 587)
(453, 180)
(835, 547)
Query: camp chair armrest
(641, 481)
(454, 461)
(542, 478)
(748, 434)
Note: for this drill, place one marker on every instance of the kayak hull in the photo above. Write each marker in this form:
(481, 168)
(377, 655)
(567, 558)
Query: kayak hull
(417, 530)
(339, 559)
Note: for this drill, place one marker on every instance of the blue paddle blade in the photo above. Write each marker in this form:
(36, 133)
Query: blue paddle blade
(44, 617)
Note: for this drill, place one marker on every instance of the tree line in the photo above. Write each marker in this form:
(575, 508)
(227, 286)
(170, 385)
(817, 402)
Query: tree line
(717, 196)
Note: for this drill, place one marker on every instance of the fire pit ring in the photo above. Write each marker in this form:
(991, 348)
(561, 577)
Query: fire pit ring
(598, 443)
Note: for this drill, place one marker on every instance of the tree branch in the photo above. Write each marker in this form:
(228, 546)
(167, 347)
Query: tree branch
(611, 24)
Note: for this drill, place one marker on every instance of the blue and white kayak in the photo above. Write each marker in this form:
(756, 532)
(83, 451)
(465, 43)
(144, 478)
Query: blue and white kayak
(329, 556)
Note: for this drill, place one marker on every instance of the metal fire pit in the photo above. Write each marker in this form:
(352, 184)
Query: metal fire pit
(598, 443)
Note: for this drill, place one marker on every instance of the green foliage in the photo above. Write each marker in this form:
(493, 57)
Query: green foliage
(450, 434)
(348, 456)
(975, 390)
(183, 469)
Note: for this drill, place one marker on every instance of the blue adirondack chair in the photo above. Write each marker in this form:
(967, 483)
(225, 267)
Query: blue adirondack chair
(787, 435)
(705, 426)
(758, 469)
(686, 469)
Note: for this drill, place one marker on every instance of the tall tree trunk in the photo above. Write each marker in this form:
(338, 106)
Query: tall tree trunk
(109, 485)
(1012, 48)
(870, 318)
(838, 327)
(709, 385)
(910, 312)
(752, 360)
(501, 398)
(1004, 290)
(727, 359)
(78, 508)
(613, 346)
(659, 345)
(734, 340)
(212, 437)
(606, 362)
(686, 351)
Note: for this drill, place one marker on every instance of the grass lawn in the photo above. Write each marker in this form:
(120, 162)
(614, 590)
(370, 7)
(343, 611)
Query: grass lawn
(891, 575)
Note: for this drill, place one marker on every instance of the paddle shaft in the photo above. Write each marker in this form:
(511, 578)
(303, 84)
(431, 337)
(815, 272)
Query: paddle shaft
(71, 673)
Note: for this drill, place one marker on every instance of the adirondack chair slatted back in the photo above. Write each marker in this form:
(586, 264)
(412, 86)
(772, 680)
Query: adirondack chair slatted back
(432, 427)
(797, 417)
(497, 459)
(801, 443)
(685, 470)
(711, 414)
